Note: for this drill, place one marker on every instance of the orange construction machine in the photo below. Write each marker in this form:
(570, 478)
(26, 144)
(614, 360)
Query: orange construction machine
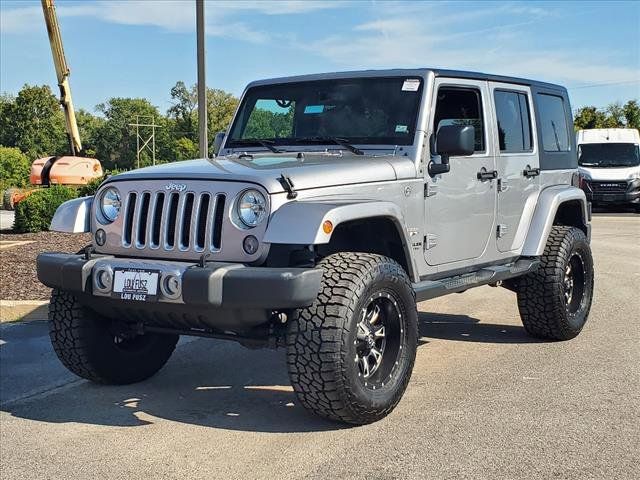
(73, 169)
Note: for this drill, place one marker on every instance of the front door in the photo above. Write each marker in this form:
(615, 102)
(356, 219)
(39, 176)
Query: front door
(516, 161)
(460, 206)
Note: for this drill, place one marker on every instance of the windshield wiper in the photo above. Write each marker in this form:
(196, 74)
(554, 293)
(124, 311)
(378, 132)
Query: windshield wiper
(338, 141)
(268, 144)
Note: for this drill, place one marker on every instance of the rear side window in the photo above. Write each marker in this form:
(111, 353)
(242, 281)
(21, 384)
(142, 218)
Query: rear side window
(514, 127)
(461, 106)
(553, 123)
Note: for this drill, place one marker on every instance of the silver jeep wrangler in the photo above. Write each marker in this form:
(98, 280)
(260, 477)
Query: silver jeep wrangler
(335, 202)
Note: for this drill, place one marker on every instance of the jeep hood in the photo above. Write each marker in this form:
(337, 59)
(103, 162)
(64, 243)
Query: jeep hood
(312, 171)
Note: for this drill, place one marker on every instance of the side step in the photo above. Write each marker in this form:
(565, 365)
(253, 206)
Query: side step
(429, 289)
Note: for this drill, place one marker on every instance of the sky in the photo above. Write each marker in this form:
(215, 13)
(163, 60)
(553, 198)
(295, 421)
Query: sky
(142, 48)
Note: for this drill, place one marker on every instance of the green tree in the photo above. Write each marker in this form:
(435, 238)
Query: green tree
(14, 168)
(631, 111)
(221, 106)
(589, 117)
(184, 111)
(33, 122)
(615, 115)
(89, 126)
(184, 149)
(116, 138)
(7, 136)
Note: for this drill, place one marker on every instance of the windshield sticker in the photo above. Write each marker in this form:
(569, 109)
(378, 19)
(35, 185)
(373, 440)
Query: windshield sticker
(402, 129)
(411, 85)
(314, 109)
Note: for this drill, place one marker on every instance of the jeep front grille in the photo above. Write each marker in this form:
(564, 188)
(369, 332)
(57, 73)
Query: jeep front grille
(183, 221)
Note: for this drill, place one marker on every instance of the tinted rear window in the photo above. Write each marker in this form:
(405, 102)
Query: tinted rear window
(553, 123)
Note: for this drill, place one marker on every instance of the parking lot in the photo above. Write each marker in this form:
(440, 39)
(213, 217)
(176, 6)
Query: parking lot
(485, 400)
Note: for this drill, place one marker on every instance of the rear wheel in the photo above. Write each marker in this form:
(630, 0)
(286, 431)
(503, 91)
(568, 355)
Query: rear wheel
(554, 301)
(350, 355)
(89, 346)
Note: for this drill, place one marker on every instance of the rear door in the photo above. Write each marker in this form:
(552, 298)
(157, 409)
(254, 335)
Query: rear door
(517, 162)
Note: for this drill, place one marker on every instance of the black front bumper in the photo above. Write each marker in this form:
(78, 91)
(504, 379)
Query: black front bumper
(218, 295)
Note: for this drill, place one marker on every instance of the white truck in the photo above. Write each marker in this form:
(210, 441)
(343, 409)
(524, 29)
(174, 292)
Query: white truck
(609, 163)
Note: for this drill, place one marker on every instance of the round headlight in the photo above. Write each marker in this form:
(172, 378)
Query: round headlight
(110, 204)
(252, 208)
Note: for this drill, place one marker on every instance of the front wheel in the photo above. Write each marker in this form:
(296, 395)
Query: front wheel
(350, 354)
(554, 301)
(88, 345)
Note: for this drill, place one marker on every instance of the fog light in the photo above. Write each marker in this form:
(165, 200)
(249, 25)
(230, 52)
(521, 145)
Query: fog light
(250, 244)
(171, 287)
(104, 280)
(101, 237)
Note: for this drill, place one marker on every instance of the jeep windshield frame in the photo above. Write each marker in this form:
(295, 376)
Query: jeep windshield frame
(342, 111)
(608, 155)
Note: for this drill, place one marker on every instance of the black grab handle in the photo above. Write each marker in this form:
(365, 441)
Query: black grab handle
(531, 172)
(487, 175)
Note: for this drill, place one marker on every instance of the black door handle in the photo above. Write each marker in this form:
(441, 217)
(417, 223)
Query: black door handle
(531, 172)
(483, 174)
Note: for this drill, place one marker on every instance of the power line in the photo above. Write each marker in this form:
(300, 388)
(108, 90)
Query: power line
(592, 85)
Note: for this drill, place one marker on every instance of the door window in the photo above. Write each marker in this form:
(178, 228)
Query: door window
(514, 126)
(461, 106)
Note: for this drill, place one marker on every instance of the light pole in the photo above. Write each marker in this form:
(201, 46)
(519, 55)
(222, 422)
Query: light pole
(202, 86)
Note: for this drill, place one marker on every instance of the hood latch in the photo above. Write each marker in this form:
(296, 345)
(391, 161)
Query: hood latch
(287, 184)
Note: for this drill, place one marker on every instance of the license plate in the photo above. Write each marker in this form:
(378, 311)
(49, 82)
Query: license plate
(135, 284)
(609, 198)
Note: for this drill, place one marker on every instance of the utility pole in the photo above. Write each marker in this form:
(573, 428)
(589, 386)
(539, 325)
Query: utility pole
(147, 139)
(202, 85)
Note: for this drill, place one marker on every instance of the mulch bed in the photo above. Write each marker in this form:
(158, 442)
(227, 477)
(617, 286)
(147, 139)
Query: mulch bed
(18, 280)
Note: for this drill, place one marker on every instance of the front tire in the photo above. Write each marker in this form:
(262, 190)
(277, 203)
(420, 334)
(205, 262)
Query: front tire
(87, 345)
(554, 301)
(350, 355)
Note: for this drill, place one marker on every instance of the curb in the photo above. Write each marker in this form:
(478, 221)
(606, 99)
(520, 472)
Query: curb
(13, 310)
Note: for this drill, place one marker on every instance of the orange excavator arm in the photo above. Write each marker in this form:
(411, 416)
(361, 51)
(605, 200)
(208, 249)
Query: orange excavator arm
(62, 72)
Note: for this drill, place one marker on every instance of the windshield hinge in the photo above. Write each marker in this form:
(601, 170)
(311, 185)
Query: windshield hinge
(430, 189)
(287, 184)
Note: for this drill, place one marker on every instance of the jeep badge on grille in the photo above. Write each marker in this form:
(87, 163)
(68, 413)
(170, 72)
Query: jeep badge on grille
(178, 187)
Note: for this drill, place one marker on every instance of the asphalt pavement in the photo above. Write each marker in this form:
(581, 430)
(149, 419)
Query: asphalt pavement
(484, 401)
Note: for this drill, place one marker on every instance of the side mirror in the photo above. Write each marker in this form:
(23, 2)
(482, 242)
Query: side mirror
(217, 142)
(451, 141)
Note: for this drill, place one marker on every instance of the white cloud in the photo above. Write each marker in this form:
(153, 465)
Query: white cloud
(477, 38)
(170, 15)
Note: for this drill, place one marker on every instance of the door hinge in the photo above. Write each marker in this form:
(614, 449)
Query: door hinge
(502, 230)
(430, 190)
(502, 185)
(430, 241)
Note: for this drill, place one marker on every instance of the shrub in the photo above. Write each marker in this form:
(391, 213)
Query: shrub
(91, 188)
(14, 168)
(34, 213)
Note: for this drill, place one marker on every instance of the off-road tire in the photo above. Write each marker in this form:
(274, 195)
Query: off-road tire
(541, 294)
(86, 345)
(321, 351)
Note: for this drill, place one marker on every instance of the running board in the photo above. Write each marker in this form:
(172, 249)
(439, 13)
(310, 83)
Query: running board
(429, 289)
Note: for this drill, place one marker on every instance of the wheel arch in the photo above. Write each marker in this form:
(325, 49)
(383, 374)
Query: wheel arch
(367, 227)
(558, 205)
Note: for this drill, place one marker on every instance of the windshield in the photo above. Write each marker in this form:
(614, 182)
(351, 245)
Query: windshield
(604, 155)
(340, 112)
